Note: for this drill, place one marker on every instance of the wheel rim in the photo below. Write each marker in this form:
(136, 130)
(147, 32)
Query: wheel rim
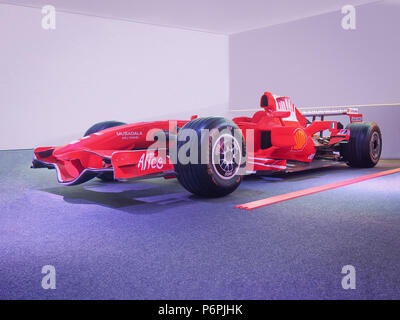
(375, 146)
(226, 156)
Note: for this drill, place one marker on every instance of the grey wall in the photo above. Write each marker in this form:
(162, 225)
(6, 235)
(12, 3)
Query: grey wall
(316, 62)
(55, 84)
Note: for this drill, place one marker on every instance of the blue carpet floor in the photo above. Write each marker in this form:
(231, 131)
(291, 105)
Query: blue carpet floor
(151, 239)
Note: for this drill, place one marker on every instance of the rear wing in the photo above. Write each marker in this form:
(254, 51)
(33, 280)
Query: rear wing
(353, 113)
(308, 112)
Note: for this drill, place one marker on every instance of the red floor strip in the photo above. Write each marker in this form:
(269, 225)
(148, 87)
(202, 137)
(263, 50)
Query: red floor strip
(292, 195)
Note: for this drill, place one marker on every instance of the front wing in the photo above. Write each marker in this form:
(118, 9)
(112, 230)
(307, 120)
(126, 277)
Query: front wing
(82, 165)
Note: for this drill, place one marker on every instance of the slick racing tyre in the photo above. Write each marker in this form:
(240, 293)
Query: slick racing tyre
(102, 126)
(364, 148)
(210, 156)
(105, 176)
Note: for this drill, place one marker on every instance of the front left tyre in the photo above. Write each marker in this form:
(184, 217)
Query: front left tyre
(211, 156)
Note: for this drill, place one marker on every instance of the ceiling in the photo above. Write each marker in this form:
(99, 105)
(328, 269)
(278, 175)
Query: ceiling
(217, 16)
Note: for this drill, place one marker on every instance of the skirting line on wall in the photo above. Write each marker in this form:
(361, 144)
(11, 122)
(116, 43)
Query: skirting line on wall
(330, 107)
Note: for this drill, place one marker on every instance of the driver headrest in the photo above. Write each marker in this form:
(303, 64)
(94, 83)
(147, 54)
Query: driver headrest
(268, 101)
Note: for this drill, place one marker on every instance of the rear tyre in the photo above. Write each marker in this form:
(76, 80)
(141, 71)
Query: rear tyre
(105, 176)
(223, 151)
(364, 148)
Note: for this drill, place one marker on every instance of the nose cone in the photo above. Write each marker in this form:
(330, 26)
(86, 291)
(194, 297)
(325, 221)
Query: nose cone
(72, 146)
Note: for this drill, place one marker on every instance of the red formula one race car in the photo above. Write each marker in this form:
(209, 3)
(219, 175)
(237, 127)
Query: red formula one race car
(209, 156)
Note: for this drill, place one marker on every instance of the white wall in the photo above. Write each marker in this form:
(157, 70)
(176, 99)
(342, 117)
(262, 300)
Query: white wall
(316, 62)
(55, 84)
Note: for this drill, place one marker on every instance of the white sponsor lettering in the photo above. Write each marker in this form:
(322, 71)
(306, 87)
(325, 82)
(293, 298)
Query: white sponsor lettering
(149, 161)
(129, 133)
(285, 104)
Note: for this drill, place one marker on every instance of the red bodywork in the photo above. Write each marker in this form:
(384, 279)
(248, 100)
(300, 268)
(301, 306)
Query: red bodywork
(276, 135)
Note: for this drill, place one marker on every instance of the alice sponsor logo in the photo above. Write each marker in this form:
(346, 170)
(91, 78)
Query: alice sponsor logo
(149, 161)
